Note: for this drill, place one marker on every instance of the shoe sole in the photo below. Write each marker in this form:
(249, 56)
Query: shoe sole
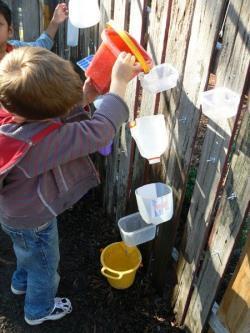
(16, 291)
(54, 317)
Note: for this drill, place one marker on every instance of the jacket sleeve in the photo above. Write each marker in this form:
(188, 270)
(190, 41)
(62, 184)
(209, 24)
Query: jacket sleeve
(77, 139)
(44, 40)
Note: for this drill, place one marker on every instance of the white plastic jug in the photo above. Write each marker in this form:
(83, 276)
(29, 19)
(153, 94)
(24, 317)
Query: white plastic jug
(219, 103)
(150, 135)
(84, 13)
(72, 34)
(160, 78)
(155, 202)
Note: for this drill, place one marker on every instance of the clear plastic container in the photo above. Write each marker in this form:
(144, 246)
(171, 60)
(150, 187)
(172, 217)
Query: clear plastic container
(220, 103)
(72, 34)
(160, 78)
(150, 135)
(135, 231)
(155, 202)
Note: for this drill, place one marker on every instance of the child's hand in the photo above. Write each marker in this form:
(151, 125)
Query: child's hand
(60, 13)
(89, 92)
(125, 68)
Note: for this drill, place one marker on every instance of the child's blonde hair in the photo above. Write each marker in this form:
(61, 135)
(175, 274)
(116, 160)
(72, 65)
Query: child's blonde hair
(37, 84)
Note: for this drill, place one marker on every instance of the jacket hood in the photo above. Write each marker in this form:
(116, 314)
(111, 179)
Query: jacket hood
(16, 139)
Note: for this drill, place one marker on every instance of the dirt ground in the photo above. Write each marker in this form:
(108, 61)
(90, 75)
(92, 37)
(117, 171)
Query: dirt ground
(97, 307)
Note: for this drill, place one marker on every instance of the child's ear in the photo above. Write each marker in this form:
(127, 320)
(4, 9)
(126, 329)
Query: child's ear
(11, 31)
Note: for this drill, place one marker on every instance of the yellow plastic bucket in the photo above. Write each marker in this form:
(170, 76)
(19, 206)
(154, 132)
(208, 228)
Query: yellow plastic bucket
(119, 264)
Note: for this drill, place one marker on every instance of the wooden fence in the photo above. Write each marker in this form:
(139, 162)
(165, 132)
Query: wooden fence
(185, 34)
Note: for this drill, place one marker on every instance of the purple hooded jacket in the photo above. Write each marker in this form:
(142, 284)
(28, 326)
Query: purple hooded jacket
(55, 172)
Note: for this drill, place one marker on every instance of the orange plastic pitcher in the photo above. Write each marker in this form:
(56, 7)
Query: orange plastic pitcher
(113, 43)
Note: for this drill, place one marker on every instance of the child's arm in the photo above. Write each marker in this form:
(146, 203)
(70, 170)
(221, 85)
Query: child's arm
(78, 139)
(46, 39)
(59, 16)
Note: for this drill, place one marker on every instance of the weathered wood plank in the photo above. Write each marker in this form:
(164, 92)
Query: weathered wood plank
(45, 14)
(215, 324)
(110, 191)
(136, 28)
(157, 32)
(107, 10)
(234, 311)
(230, 215)
(177, 44)
(14, 5)
(30, 19)
(203, 33)
(213, 157)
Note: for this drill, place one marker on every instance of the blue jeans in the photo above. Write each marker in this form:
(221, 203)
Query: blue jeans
(37, 254)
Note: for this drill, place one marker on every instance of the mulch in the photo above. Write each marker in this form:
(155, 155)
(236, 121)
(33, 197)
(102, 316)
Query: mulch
(97, 307)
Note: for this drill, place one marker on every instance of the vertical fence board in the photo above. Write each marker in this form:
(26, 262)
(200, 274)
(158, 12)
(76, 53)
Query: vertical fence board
(110, 190)
(177, 44)
(156, 48)
(216, 142)
(44, 12)
(204, 30)
(102, 163)
(137, 14)
(14, 6)
(234, 310)
(228, 221)
(30, 19)
(176, 54)
(106, 8)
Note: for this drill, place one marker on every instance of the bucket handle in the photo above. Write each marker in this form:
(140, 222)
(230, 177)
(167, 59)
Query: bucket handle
(123, 35)
(111, 274)
(115, 275)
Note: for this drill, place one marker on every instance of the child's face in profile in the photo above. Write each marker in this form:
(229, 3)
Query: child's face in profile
(5, 31)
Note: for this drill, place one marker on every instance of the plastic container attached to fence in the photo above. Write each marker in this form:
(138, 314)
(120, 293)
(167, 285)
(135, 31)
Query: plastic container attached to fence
(120, 264)
(155, 202)
(135, 231)
(160, 78)
(150, 135)
(219, 103)
(114, 42)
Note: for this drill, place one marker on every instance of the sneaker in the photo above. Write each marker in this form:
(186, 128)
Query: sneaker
(16, 291)
(61, 308)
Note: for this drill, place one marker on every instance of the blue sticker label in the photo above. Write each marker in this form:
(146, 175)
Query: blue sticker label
(85, 62)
